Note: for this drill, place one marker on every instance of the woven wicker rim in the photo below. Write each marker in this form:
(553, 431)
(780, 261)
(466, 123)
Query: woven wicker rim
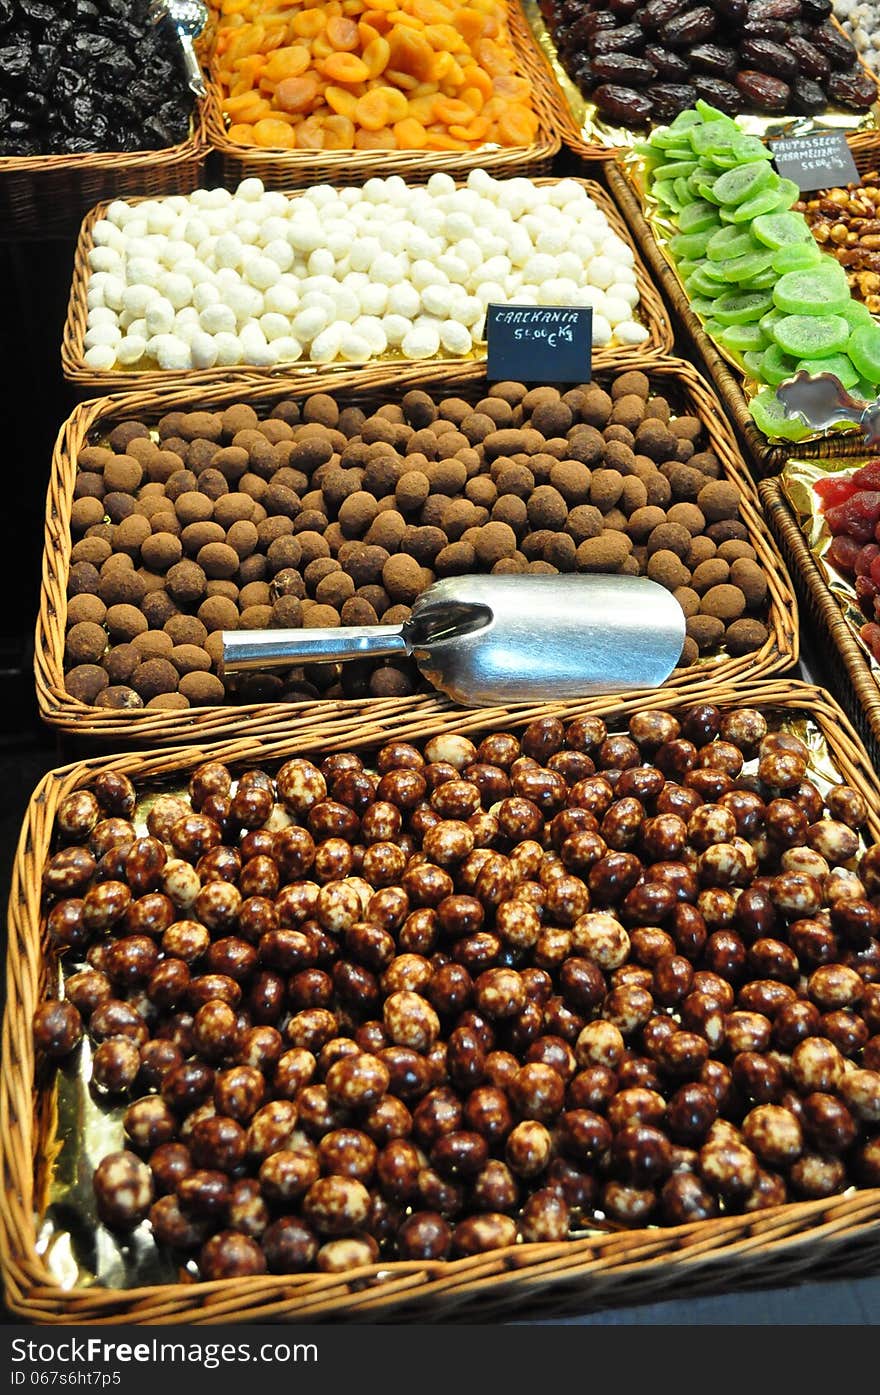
(768, 458)
(652, 314)
(572, 132)
(597, 1270)
(59, 709)
(290, 168)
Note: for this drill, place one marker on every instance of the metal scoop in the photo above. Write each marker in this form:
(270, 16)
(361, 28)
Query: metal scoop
(821, 401)
(189, 18)
(500, 639)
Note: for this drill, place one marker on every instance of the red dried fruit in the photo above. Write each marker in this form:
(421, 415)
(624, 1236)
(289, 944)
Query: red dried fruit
(867, 477)
(865, 557)
(842, 554)
(836, 489)
(762, 91)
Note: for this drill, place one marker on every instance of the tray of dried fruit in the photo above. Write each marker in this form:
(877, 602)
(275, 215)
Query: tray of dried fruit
(754, 273)
(780, 66)
(376, 277)
(826, 517)
(340, 1024)
(306, 94)
(172, 517)
(93, 105)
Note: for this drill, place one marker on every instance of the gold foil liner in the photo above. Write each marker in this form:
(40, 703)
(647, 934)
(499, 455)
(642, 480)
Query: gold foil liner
(797, 480)
(81, 1126)
(595, 130)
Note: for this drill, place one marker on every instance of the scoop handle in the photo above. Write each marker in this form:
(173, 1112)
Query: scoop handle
(247, 649)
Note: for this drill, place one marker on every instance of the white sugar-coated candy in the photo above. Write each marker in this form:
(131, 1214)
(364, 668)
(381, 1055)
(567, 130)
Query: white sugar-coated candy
(347, 304)
(195, 230)
(245, 302)
(557, 291)
(480, 180)
(188, 315)
(274, 326)
(130, 350)
(158, 220)
(160, 316)
(338, 242)
(228, 350)
(261, 272)
(217, 319)
(470, 253)
(102, 334)
(387, 269)
(138, 330)
(403, 299)
(281, 253)
(623, 290)
(424, 273)
(178, 289)
(106, 234)
(373, 298)
(250, 190)
(582, 246)
(305, 234)
(631, 333)
(496, 268)
(141, 272)
(453, 267)
(228, 250)
(470, 310)
(100, 315)
(364, 252)
(326, 345)
(288, 349)
(274, 229)
(602, 272)
(422, 341)
(248, 231)
(454, 338)
(436, 300)
(281, 299)
(489, 243)
(173, 353)
(205, 294)
(601, 330)
(369, 327)
(310, 322)
(395, 327)
(539, 268)
(490, 293)
(617, 311)
(457, 225)
(120, 212)
(102, 357)
(104, 259)
(321, 262)
(354, 348)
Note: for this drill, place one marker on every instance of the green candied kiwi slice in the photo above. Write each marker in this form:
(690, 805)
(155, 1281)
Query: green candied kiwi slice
(776, 366)
(706, 112)
(752, 362)
(743, 338)
(698, 217)
(703, 283)
(838, 364)
(769, 416)
(676, 168)
(686, 268)
(811, 336)
(683, 190)
(703, 305)
(772, 317)
(773, 199)
(690, 246)
(730, 241)
(743, 182)
(712, 327)
(742, 307)
(796, 256)
(765, 281)
(691, 116)
(818, 290)
(863, 348)
(664, 193)
(779, 229)
(857, 314)
(745, 268)
(865, 392)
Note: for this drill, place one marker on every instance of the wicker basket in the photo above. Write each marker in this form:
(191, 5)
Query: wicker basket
(768, 458)
(166, 728)
(763, 1247)
(295, 169)
(854, 682)
(571, 130)
(651, 312)
(43, 197)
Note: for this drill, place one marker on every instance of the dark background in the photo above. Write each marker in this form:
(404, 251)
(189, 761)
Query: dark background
(36, 402)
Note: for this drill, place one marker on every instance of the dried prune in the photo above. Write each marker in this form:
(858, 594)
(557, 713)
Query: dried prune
(628, 39)
(658, 12)
(719, 92)
(670, 98)
(763, 92)
(624, 67)
(670, 66)
(816, 10)
(768, 57)
(811, 63)
(773, 29)
(690, 28)
(807, 96)
(836, 46)
(856, 89)
(623, 104)
(715, 59)
(734, 10)
(774, 9)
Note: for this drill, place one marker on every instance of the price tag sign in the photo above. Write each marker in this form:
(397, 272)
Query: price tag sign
(820, 161)
(539, 343)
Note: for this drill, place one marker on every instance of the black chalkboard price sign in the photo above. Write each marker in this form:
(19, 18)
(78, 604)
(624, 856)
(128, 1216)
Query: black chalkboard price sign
(539, 343)
(819, 161)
